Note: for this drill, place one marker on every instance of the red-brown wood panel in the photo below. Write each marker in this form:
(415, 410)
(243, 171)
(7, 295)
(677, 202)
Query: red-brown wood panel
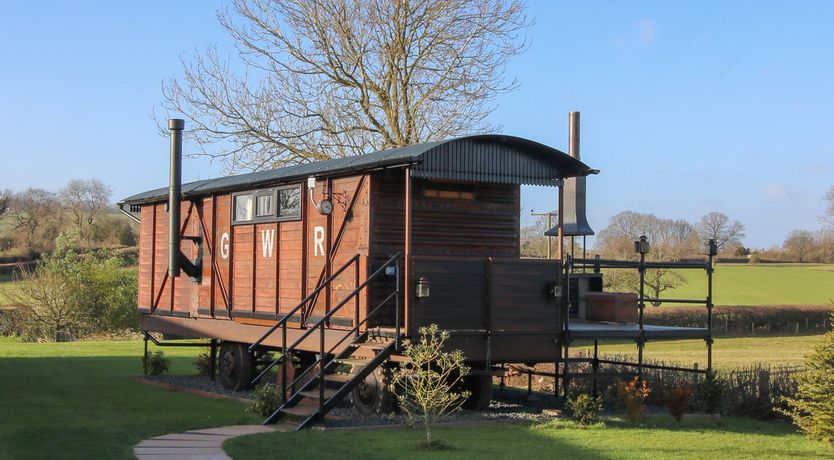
(146, 244)
(289, 270)
(317, 248)
(354, 226)
(206, 288)
(161, 281)
(222, 231)
(243, 252)
(266, 278)
(185, 302)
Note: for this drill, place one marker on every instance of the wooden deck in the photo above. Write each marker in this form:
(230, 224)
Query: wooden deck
(601, 330)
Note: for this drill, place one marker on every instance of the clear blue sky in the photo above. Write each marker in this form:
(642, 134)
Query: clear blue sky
(686, 107)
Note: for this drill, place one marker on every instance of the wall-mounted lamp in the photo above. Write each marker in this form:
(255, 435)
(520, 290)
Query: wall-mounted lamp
(421, 289)
(641, 246)
(711, 247)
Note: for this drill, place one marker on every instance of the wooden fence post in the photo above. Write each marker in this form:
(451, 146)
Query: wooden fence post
(764, 385)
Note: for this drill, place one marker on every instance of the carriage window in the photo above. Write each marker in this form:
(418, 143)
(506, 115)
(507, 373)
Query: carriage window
(263, 206)
(243, 208)
(289, 203)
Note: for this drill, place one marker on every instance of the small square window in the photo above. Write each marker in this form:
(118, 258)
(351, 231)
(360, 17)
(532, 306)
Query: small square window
(263, 206)
(289, 203)
(243, 208)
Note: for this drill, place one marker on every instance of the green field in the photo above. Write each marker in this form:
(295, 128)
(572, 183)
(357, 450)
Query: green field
(728, 353)
(761, 284)
(659, 438)
(75, 400)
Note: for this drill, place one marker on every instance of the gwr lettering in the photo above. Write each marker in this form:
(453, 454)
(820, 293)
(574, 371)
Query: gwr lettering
(318, 241)
(224, 245)
(267, 242)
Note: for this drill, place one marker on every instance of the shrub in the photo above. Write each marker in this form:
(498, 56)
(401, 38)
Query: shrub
(711, 392)
(812, 409)
(156, 363)
(425, 383)
(755, 391)
(632, 396)
(75, 294)
(585, 409)
(678, 400)
(267, 399)
(203, 364)
(739, 320)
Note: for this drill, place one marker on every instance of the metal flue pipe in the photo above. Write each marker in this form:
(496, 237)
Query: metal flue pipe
(175, 126)
(573, 134)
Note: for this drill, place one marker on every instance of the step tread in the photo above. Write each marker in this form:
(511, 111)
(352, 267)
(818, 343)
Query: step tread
(300, 410)
(314, 394)
(339, 378)
(354, 361)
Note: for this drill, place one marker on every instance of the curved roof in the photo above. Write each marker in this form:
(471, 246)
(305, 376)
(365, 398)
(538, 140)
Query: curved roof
(492, 158)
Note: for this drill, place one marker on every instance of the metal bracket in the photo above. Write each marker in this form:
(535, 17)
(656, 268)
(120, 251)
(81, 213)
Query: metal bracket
(193, 268)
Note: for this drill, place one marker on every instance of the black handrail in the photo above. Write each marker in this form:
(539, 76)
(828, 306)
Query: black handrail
(321, 322)
(330, 352)
(286, 316)
(608, 263)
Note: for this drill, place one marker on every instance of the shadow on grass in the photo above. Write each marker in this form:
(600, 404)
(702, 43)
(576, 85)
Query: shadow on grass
(87, 407)
(657, 438)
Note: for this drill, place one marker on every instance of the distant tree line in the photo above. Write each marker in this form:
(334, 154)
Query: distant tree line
(31, 219)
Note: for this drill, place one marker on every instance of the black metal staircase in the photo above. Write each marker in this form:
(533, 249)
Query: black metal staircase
(325, 383)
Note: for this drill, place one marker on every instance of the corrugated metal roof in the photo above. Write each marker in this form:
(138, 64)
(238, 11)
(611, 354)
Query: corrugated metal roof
(489, 158)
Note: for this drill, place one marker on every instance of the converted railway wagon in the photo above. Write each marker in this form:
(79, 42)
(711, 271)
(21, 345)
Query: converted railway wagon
(317, 257)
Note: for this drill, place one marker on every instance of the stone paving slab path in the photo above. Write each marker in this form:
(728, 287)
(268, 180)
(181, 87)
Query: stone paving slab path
(204, 444)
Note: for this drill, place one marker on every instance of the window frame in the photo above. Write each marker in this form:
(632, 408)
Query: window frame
(273, 217)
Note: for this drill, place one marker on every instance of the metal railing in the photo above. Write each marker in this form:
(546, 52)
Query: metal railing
(322, 362)
(642, 265)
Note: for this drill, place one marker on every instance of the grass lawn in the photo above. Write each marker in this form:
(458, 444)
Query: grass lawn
(74, 400)
(659, 438)
(761, 284)
(731, 352)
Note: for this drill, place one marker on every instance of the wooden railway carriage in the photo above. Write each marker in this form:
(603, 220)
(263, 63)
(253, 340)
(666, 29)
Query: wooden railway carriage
(337, 261)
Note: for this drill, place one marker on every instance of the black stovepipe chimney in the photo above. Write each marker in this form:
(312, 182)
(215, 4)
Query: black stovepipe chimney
(175, 126)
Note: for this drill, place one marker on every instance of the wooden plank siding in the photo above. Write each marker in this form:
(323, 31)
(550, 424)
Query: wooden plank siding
(485, 225)
(251, 281)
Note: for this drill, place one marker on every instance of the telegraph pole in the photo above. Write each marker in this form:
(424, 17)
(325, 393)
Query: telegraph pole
(550, 216)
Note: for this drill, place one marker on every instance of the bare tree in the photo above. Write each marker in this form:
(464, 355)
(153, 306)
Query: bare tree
(5, 202)
(799, 244)
(533, 241)
(332, 78)
(829, 211)
(718, 226)
(669, 239)
(85, 200)
(35, 215)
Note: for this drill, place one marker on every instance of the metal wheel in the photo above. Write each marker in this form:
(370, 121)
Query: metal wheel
(480, 387)
(236, 366)
(373, 396)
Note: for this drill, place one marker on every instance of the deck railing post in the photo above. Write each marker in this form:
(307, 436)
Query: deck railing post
(145, 358)
(284, 363)
(397, 303)
(711, 251)
(323, 366)
(642, 246)
(356, 299)
(595, 368)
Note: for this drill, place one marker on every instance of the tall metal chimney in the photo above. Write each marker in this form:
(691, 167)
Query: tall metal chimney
(175, 126)
(576, 221)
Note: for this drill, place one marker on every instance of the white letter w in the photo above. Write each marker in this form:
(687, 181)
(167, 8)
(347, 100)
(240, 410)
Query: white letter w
(267, 241)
